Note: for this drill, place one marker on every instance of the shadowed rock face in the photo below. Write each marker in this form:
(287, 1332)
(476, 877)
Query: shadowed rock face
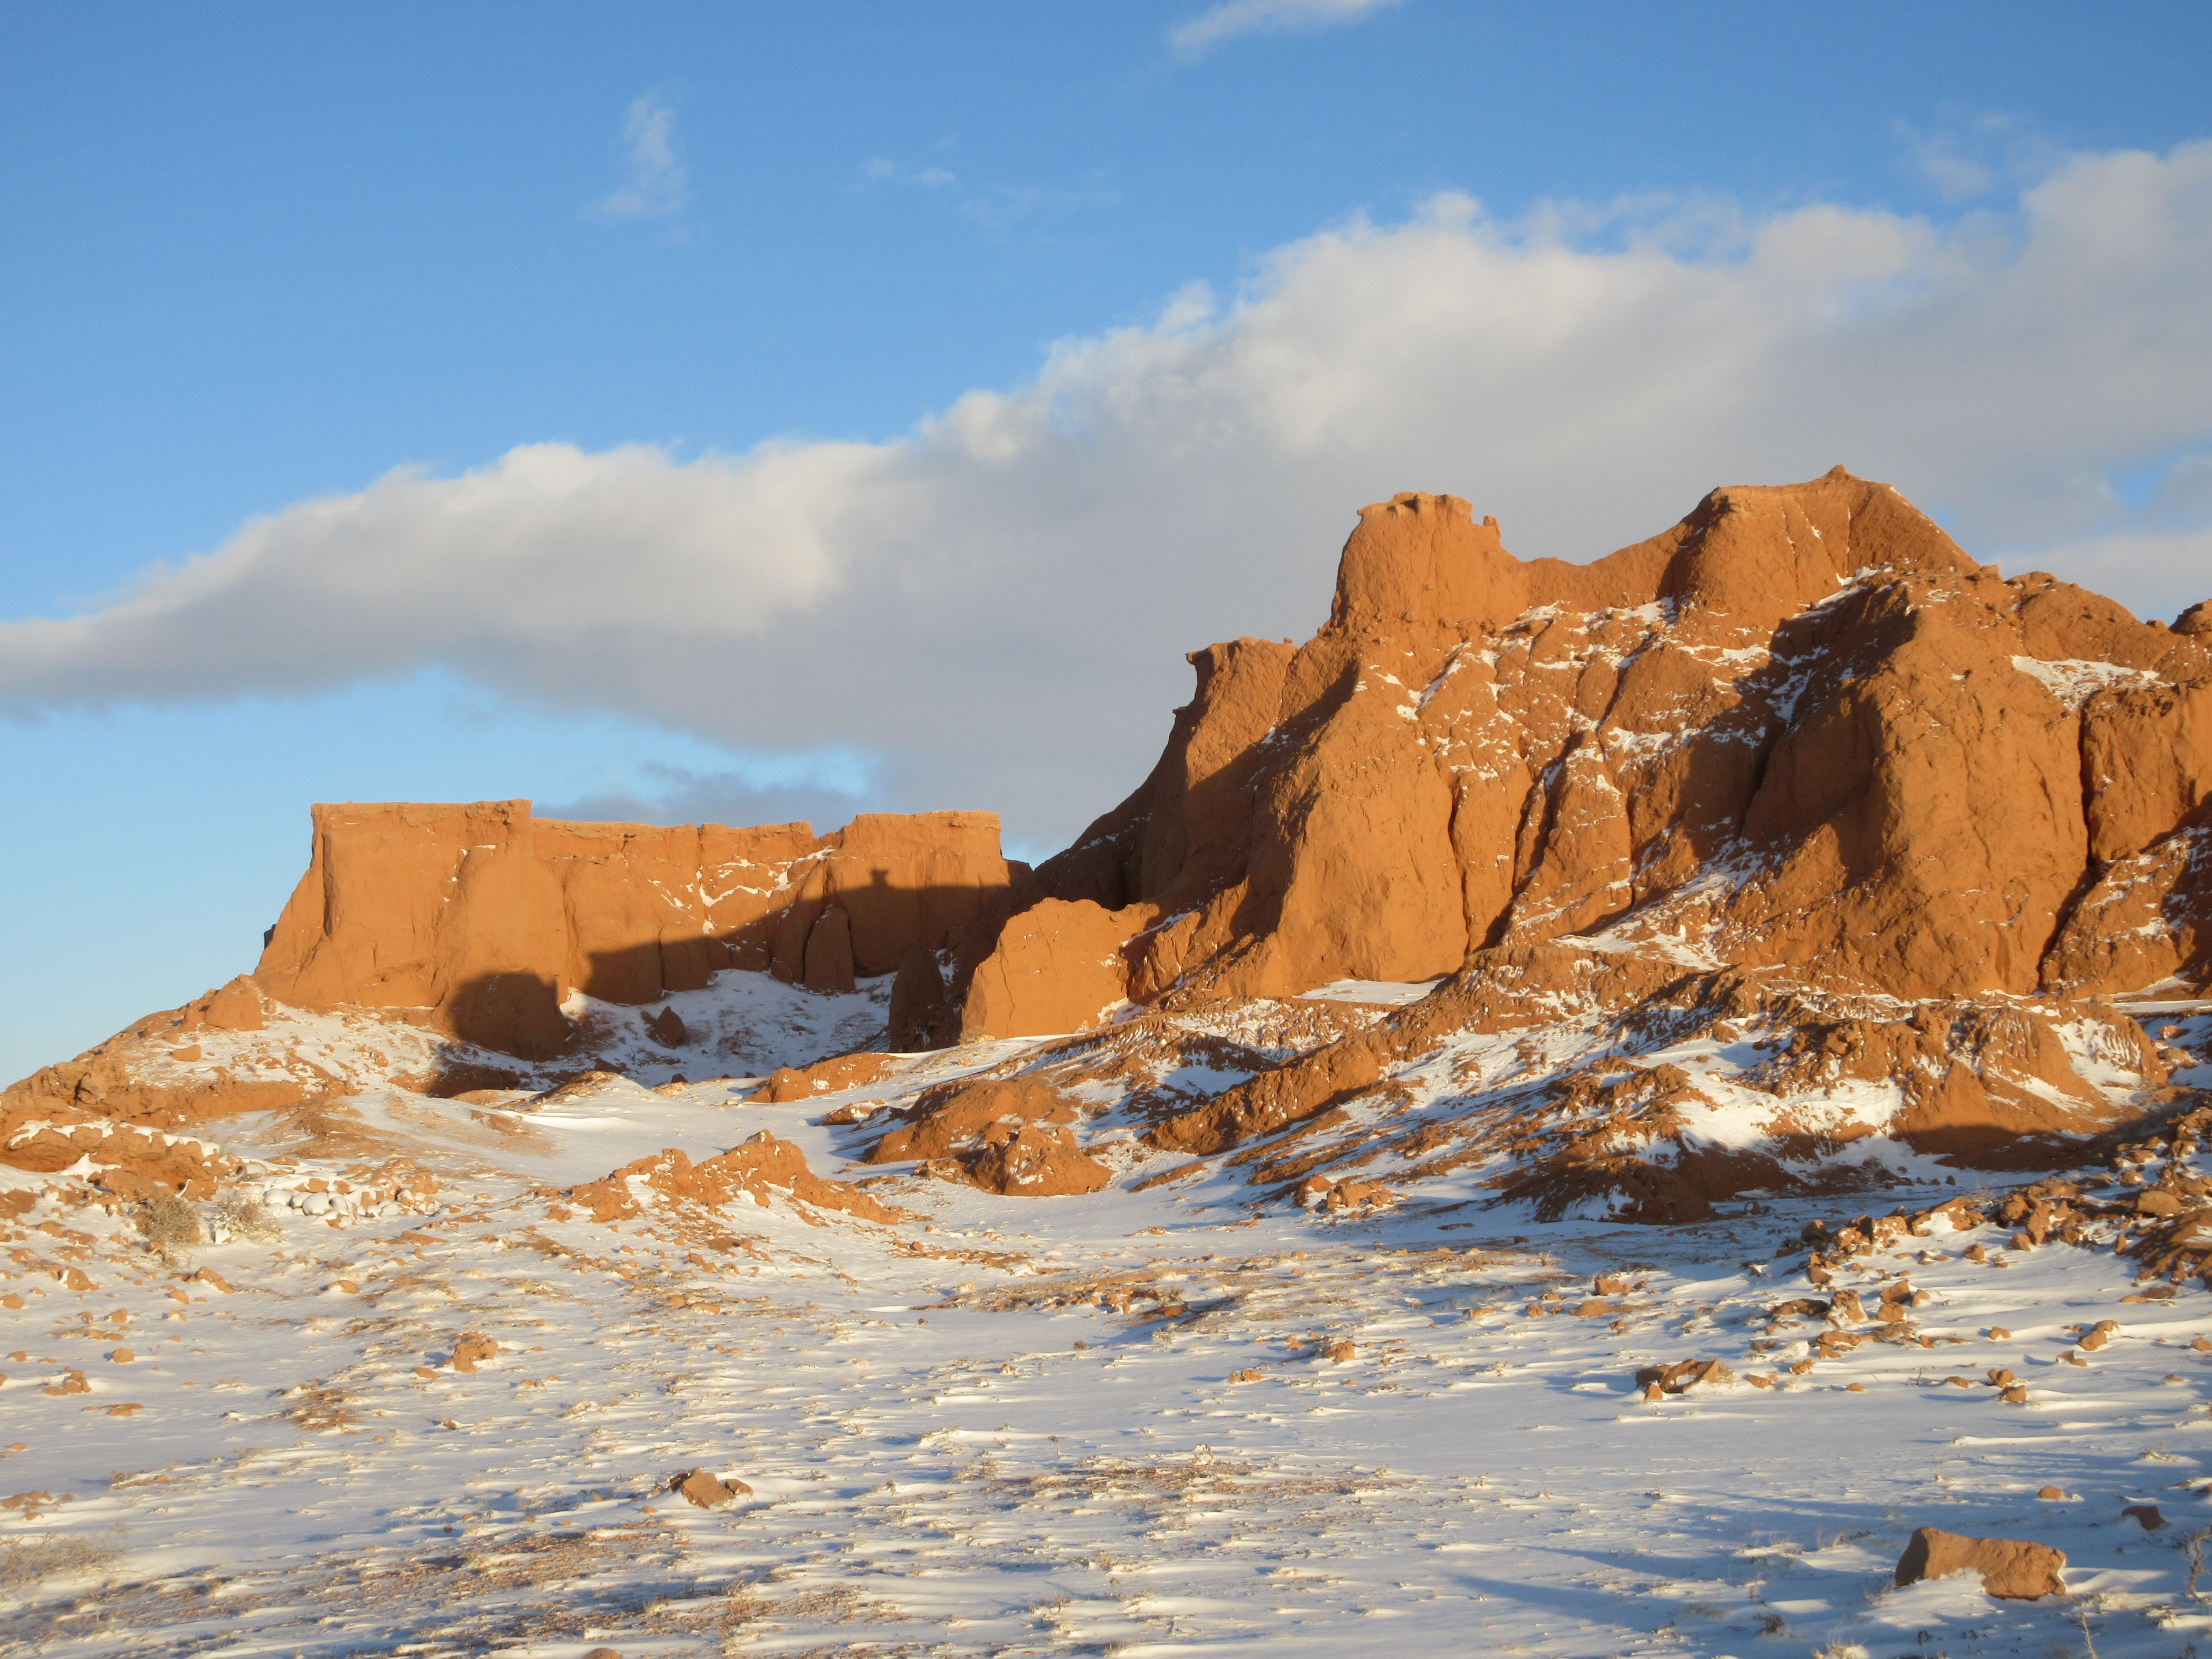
(1801, 729)
(487, 918)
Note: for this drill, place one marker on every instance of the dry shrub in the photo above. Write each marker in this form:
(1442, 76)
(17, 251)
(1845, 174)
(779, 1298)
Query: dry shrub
(169, 1222)
(29, 1558)
(243, 1216)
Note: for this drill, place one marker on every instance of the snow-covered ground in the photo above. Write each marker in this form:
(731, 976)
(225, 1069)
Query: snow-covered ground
(1013, 1426)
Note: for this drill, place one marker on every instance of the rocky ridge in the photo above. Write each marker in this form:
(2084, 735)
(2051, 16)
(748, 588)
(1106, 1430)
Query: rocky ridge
(1791, 851)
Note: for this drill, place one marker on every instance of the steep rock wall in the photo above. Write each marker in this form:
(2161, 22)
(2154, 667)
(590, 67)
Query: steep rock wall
(487, 918)
(1800, 728)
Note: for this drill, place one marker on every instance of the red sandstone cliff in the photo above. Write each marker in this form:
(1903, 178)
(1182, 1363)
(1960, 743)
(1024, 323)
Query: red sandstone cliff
(1801, 729)
(487, 918)
(1789, 831)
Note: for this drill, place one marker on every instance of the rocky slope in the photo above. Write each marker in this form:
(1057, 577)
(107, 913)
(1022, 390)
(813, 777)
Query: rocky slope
(1790, 850)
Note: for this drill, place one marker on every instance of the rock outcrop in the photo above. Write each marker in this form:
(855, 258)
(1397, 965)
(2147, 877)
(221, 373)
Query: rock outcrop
(2011, 1568)
(1764, 857)
(1013, 1137)
(487, 918)
(1800, 729)
(760, 1170)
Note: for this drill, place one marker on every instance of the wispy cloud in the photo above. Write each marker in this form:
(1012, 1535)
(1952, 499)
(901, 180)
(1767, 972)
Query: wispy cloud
(881, 170)
(656, 184)
(994, 207)
(1234, 17)
(1971, 155)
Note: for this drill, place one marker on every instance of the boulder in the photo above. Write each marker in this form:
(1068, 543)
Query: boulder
(709, 1491)
(2010, 1569)
(829, 953)
(470, 1350)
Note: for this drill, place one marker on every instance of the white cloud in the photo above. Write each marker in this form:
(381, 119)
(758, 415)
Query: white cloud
(997, 603)
(1234, 17)
(655, 184)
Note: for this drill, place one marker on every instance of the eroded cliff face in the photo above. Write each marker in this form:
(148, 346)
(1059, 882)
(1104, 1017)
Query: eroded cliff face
(1790, 851)
(488, 920)
(1801, 729)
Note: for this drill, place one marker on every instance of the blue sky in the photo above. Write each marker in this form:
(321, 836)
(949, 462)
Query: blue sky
(820, 408)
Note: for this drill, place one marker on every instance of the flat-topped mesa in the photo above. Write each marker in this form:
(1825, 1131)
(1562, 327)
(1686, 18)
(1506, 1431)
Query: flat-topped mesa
(1799, 728)
(488, 919)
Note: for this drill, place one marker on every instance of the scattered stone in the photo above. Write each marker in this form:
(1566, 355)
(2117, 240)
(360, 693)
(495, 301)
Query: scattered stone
(2010, 1569)
(708, 1490)
(1804, 1307)
(1247, 1375)
(471, 1348)
(1339, 1350)
(2145, 1516)
(2055, 1495)
(1685, 1375)
(1999, 1333)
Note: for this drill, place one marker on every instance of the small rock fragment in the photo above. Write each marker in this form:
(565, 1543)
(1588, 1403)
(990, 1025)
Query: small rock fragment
(2056, 1495)
(2145, 1516)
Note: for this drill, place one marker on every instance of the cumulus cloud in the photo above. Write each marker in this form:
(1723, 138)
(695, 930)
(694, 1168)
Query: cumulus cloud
(1234, 17)
(995, 603)
(655, 184)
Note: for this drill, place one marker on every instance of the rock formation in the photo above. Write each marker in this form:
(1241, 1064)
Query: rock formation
(1800, 729)
(2011, 1568)
(1735, 858)
(488, 919)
